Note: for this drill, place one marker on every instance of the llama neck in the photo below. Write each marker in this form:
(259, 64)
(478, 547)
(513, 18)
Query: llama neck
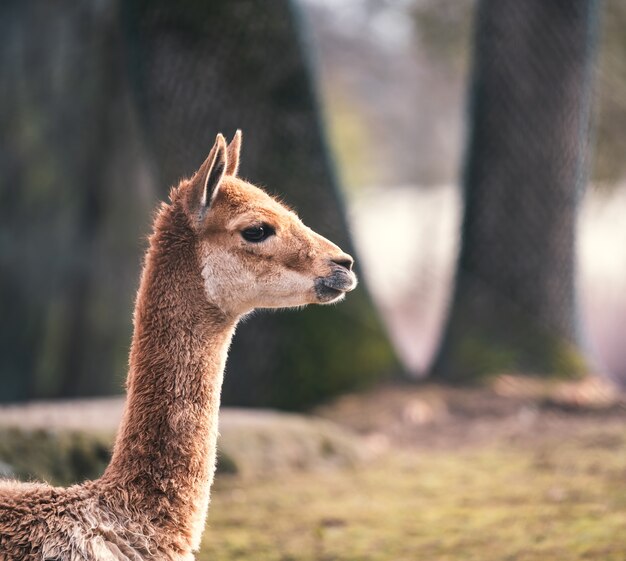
(164, 456)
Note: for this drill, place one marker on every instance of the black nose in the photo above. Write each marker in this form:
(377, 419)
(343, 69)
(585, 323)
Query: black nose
(344, 261)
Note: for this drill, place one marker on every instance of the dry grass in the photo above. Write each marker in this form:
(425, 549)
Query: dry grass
(557, 500)
(521, 473)
(483, 477)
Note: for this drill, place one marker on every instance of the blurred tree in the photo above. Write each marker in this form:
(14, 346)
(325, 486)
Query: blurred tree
(74, 183)
(514, 306)
(610, 164)
(69, 201)
(443, 26)
(201, 67)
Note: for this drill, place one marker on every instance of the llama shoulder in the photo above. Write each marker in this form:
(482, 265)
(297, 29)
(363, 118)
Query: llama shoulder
(40, 522)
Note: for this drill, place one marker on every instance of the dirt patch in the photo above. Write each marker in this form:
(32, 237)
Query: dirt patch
(430, 416)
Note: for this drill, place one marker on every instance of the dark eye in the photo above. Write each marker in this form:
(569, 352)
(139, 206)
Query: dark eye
(258, 233)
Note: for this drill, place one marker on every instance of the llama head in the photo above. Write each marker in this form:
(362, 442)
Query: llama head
(253, 251)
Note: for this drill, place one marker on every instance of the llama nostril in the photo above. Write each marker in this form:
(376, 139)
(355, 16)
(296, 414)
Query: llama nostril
(344, 261)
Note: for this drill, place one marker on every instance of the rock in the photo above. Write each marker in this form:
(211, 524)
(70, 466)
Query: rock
(63, 442)
(263, 443)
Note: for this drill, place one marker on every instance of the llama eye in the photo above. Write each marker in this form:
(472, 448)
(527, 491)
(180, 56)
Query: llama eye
(258, 233)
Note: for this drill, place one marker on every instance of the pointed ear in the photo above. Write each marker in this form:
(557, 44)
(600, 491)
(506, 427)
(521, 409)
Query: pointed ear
(233, 154)
(212, 171)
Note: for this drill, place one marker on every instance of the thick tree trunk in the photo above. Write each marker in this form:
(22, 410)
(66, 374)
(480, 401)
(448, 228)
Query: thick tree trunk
(204, 67)
(71, 208)
(514, 306)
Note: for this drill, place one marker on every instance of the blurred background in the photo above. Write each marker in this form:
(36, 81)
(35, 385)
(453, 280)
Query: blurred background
(360, 114)
(469, 153)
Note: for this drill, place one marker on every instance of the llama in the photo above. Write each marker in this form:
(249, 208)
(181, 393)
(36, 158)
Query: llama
(220, 248)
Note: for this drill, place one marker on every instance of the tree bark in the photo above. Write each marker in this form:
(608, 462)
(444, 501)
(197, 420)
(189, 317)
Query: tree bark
(514, 307)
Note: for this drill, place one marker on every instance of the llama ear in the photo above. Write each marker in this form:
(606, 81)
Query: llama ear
(233, 154)
(212, 171)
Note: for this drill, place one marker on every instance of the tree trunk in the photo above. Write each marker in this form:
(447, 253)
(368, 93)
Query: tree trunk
(71, 211)
(514, 307)
(204, 67)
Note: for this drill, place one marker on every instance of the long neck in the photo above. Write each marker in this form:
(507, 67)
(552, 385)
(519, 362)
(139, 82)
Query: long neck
(165, 451)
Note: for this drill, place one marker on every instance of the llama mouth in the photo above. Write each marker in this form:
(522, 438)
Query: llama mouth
(326, 294)
(333, 288)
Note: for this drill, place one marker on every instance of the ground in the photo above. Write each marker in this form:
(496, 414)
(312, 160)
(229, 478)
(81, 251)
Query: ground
(520, 471)
(512, 474)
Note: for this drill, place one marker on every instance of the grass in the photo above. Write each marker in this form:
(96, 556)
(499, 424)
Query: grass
(524, 473)
(539, 500)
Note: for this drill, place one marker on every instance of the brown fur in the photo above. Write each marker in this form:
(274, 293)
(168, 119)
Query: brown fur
(200, 275)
